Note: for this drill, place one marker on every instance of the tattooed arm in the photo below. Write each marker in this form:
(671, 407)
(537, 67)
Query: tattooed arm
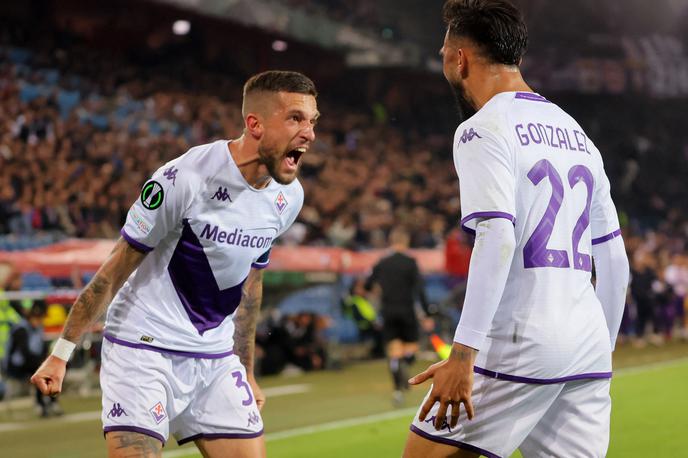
(245, 327)
(90, 304)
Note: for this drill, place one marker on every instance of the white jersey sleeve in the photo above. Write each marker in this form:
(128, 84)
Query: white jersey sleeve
(604, 222)
(160, 208)
(486, 176)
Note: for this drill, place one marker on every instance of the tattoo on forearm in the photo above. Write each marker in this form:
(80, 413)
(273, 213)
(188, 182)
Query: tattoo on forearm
(245, 322)
(462, 355)
(135, 445)
(93, 300)
(88, 307)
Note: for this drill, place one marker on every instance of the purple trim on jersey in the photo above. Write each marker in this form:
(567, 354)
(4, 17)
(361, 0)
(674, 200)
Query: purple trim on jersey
(135, 429)
(604, 238)
(474, 215)
(255, 265)
(142, 346)
(205, 303)
(531, 96)
(135, 243)
(220, 436)
(540, 381)
(458, 444)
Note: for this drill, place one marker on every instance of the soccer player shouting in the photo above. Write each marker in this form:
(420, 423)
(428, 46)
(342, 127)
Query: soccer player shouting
(531, 358)
(185, 284)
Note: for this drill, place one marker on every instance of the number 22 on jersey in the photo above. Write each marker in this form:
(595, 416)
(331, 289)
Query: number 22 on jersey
(535, 251)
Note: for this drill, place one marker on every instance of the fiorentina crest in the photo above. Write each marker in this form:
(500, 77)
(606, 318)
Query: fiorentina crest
(280, 203)
(158, 412)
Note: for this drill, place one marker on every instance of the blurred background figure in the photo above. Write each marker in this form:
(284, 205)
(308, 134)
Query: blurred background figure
(26, 349)
(357, 307)
(401, 284)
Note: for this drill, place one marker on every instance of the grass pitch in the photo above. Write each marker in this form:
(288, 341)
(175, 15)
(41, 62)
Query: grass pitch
(349, 413)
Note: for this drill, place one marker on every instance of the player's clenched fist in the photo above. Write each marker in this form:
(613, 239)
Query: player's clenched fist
(48, 378)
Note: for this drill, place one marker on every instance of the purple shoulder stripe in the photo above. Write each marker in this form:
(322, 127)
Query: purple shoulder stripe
(258, 266)
(142, 346)
(604, 238)
(531, 96)
(135, 243)
(135, 429)
(475, 215)
(540, 381)
(458, 444)
(220, 436)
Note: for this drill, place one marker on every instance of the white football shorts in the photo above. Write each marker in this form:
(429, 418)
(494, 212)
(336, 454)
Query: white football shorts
(563, 420)
(158, 393)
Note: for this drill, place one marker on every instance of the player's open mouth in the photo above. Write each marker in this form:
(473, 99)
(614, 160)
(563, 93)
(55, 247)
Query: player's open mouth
(293, 156)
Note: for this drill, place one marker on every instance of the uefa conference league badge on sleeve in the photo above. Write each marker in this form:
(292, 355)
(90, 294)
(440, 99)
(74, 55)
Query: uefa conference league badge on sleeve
(152, 195)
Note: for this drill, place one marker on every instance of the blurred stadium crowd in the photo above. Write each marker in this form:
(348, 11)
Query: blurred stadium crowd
(81, 130)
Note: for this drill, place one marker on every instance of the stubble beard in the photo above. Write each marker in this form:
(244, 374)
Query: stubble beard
(464, 105)
(272, 163)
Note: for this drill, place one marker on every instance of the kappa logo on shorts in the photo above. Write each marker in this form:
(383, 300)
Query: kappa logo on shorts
(445, 424)
(158, 412)
(116, 411)
(280, 203)
(253, 419)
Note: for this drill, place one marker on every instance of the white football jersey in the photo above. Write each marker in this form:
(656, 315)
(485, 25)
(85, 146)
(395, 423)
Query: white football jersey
(205, 227)
(522, 158)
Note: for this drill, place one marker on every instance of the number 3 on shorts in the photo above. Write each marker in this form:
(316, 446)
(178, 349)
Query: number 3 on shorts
(241, 384)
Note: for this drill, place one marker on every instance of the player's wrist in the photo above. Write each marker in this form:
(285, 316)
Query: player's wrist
(63, 349)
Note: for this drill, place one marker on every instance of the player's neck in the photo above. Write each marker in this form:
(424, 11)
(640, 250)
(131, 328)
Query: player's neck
(495, 79)
(246, 158)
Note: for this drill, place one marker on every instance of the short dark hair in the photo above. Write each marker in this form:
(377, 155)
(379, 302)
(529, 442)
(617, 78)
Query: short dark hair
(280, 81)
(496, 26)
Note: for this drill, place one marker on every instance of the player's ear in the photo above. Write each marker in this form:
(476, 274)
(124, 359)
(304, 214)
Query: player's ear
(254, 126)
(462, 62)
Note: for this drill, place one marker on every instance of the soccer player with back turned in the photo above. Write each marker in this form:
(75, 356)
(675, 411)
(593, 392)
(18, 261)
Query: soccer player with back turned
(531, 358)
(185, 282)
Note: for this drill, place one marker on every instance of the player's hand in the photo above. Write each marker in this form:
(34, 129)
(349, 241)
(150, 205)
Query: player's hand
(452, 385)
(49, 376)
(257, 392)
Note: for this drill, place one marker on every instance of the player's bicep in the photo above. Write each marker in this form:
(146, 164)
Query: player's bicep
(487, 182)
(253, 287)
(122, 261)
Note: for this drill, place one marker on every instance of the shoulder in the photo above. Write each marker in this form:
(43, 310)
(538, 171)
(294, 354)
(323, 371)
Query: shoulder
(488, 126)
(195, 166)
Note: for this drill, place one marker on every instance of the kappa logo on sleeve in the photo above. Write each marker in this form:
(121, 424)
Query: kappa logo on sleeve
(152, 195)
(468, 135)
(171, 174)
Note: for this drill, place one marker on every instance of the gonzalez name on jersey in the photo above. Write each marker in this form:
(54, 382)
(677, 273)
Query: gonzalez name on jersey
(523, 158)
